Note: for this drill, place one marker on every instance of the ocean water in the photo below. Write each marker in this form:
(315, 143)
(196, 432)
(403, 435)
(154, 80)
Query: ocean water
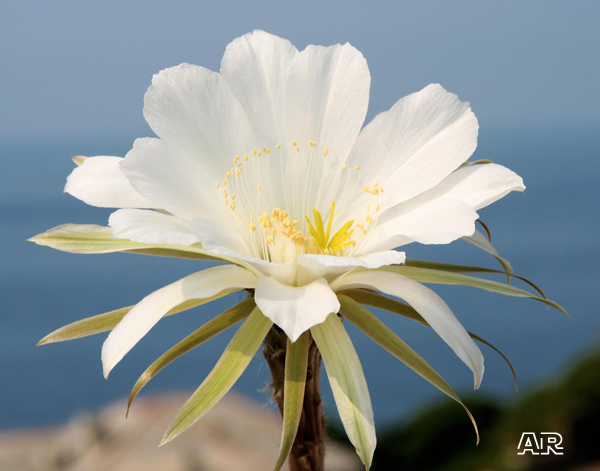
(549, 233)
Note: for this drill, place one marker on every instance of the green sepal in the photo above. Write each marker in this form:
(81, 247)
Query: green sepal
(109, 320)
(380, 333)
(380, 301)
(426, 275)
(296, 364)
(214, 327)
(482, 242)
(467, 269)
(228, 369)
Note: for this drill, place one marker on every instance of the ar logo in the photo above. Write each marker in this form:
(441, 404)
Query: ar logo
(544, 444)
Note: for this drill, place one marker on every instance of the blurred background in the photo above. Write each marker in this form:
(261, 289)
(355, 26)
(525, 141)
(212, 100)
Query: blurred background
(72, 81)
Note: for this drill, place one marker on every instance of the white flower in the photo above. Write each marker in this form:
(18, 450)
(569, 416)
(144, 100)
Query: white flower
(265, 165)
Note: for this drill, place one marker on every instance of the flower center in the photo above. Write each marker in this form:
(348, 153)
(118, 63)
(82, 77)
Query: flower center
(296, 180)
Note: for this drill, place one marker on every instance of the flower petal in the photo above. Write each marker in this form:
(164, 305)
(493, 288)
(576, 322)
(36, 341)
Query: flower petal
(175, 180)
(99, 181)
(151, 227)
(348, 384)
(433, 309)
(153, 307)
(195, 108)
(256, 66)
(421, 140)
(330, 265)
(476, 185)
(295, 309)
(440, 221)
(326, 100)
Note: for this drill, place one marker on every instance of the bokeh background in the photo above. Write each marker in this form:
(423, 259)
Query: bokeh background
(72, 80)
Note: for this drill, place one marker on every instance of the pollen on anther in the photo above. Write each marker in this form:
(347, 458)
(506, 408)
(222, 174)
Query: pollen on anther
(326, 151)
(258, 154)
(357, 168)
(259, 188)
(344, 167)
(377, 207)
(240, 217)
(246, 157)
(254, 152)
(294, 144)
(218, 185)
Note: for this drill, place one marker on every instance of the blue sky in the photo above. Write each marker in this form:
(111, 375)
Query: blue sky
(72, 68)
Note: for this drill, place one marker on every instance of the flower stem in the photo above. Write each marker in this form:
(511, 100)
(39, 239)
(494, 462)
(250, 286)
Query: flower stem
(308, 451)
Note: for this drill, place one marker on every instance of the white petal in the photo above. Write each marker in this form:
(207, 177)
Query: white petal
(420, 141)
(164, 173)
(329, 266)
(99, 181)
(153, 307)
(326, 100)
(476, 185)
(440, 221)
(194, 108)
(255, 66)
(221, 239)
(295, 309)
(348, 384)
(151, 227)
(433, 309)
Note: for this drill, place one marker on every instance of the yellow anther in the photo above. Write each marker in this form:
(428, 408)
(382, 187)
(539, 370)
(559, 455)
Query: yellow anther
(226, 202)
(259, 188)
(224, 182)
(377, 207)
(231, 171)
(227, 174)
(357, 168)
(240, 217)
(294, 144)
(225, 194)
(376, 185)
(297, 149)
(236, 158)
(218, 185)
(326, 151)
(344, 167)
(259, 153)
(381, 189)
(368, 206)
(369, 219)
(246, 157)
(232, 197)
(238, 173)
(232, 206)
(254, 152)
(269, 240)
(367, 189)
(252, 216)
(277, 146)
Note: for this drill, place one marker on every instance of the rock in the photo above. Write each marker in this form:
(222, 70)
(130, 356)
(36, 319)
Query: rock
(236, 435)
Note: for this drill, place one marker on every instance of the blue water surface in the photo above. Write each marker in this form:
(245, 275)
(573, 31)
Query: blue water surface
(549, 233)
